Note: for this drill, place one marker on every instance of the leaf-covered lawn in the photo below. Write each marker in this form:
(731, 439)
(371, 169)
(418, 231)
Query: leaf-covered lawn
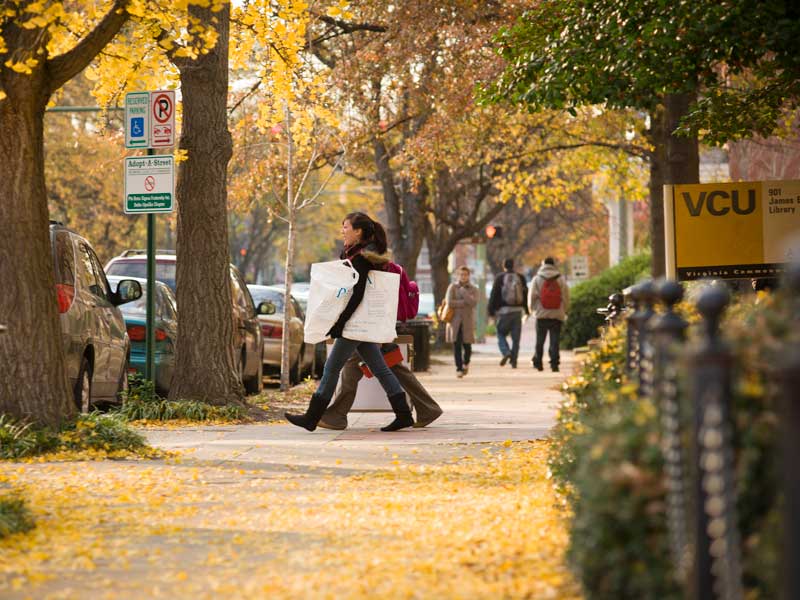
(486, 527)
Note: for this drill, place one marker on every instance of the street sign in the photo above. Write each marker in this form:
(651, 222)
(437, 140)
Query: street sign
(748, 229)
(137, 123)
(579, 267)
(149, 184)
(162, 119)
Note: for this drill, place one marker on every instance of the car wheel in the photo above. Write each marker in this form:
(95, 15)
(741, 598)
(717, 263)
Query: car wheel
(240, 367)
(294, 372)
(255, 385)
(123, 386)
(83, 387)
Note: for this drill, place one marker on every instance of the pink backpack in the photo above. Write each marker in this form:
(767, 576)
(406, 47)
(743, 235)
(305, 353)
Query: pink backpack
(408, 300)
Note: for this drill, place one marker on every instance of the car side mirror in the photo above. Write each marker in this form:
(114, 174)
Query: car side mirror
(266, 308)
(128, 290)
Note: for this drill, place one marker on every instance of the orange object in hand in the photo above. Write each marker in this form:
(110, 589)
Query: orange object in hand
(392, 357)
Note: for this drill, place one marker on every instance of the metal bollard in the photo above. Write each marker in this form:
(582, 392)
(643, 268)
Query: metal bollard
(716, 569)
(789, 378)
(668, 335)
(647, 291)
(616, 304)
(632, 330)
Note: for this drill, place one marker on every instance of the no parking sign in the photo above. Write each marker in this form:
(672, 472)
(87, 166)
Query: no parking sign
(150, 119)
(162, 119)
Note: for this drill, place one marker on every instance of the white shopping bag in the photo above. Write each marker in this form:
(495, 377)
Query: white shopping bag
(376, 316)
(331, 287)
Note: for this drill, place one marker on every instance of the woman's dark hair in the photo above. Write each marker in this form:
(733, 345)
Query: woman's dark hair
(371, 231)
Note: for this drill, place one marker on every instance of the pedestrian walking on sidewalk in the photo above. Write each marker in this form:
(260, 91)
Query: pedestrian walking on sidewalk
(462, 297)
(507, 304)
(549, 302)
(365, 247)
(426, 408)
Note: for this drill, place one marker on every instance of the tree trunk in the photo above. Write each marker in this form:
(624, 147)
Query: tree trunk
(206, 367)
(683, 157)
(405, 212)
(440, 276)
(681, 162)
(291, 217)
(657, 136)
(33, 380)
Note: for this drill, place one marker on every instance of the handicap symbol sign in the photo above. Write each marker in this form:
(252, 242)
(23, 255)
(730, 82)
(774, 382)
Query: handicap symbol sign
(137, 127)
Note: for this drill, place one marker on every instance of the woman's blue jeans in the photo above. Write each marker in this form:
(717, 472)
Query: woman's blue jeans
(370, 353)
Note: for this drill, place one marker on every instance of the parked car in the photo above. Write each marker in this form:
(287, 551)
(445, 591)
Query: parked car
(96, 344)
(315, 361)
(166, 334)
(272, 330)
(248, 341)
(300, 291)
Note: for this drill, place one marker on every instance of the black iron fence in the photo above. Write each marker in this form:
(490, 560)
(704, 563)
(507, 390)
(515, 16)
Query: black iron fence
(697, 447)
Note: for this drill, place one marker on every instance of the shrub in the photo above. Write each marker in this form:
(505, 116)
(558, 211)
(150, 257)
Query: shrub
(143, 403)
(586, 297)
(18, 440)
(14, 515)
(97, 431)
(94, 431)
(607, 461)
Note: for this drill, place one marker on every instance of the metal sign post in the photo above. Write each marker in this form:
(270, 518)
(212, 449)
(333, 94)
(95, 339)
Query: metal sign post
(150, 320)
(149, 183)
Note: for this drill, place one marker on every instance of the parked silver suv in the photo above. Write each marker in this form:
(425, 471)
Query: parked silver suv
(96, 344)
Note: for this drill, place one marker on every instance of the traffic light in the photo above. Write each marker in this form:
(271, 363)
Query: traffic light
(494, 231)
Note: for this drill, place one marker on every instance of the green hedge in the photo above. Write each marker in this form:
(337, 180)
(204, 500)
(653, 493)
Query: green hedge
(587, 296)
(606, 460)
(14, 515)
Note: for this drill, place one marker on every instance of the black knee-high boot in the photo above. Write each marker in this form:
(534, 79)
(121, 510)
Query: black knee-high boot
(309, 420)
(402, 412)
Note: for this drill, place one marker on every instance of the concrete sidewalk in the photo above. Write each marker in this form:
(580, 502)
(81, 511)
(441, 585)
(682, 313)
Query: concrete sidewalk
(490, 404)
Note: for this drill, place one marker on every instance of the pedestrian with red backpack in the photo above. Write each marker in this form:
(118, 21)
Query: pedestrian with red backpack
(548, 301)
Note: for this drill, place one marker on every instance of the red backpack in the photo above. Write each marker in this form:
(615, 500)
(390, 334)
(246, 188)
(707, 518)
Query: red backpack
(408, 295)
(550, 294)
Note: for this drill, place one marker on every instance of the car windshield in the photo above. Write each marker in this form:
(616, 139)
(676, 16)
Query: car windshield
(267, 295)
(165, 271)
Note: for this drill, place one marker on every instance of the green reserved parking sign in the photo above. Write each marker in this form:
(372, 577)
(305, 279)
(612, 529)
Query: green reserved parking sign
(149, 184)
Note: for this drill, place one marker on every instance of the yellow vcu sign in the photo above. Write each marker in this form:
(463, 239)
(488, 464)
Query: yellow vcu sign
(731, 230)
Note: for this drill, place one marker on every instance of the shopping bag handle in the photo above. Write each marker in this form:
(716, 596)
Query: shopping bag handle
(352, 268)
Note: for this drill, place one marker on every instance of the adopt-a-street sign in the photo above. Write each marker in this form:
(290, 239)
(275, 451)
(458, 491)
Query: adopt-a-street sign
(137, 120)
(149, 184)
(747, 229)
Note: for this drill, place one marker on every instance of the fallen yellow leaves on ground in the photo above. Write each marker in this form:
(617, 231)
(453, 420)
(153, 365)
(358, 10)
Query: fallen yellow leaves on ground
(484, 527)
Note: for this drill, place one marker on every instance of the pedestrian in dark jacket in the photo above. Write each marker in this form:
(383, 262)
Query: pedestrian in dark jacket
(365, 247)
(549, 302)
(507, 303)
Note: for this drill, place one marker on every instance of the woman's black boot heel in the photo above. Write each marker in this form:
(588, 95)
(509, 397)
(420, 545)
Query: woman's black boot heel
(316, 408)
(402, 413)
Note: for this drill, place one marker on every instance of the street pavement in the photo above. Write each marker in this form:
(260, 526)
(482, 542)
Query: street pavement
(490, 404)
(248, 511)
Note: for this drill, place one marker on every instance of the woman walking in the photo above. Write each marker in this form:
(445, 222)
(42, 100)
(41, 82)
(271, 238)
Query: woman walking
(365, 247)
(462, 297)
